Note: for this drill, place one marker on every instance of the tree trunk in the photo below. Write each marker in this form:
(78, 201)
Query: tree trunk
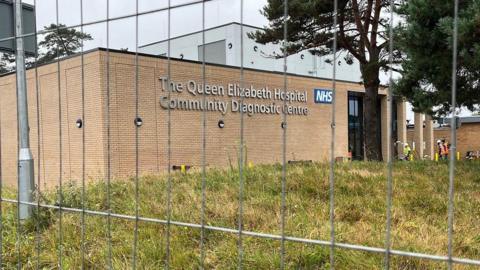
(373, 150)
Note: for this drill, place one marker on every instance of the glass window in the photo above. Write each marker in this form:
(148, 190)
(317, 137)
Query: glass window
(355, 125)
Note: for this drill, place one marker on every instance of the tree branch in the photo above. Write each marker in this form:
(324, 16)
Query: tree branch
(363, 37)
(346, 44)
(367, 13)
(373, 35)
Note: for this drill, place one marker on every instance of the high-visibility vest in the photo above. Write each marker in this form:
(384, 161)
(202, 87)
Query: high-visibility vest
(443, 150)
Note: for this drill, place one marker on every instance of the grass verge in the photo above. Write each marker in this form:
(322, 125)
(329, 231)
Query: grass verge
(419, 220)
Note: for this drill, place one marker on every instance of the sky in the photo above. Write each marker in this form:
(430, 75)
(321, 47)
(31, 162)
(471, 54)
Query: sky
(153, 26)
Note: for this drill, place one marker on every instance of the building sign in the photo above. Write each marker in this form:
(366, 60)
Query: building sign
(324, 96)
(263, 100)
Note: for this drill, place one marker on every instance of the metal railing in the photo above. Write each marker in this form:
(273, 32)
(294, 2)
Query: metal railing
(203, 226)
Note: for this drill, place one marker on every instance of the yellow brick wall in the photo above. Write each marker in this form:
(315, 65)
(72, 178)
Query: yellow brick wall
(308, 137)
(45, 92)
(466, 137)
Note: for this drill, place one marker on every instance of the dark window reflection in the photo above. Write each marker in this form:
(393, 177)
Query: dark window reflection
(355, 125)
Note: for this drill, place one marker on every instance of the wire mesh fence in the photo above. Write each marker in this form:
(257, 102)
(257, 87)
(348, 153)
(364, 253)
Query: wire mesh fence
(113, 119)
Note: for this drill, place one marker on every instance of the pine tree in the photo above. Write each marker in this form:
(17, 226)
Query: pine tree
(60, 42)
(57, 43)
(3, 67)
(7, 62)
(426, 38)
(362, 32)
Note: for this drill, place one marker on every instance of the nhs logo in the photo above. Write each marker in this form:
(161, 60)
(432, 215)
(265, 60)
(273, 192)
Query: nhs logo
(323, 96)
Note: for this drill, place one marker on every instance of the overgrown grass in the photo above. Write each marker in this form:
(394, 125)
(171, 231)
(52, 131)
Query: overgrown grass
(419, 220)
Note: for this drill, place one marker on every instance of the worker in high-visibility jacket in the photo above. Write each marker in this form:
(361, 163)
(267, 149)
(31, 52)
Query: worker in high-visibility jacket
(443, 150)
(447, 149)
(440, 149)
(407, 151)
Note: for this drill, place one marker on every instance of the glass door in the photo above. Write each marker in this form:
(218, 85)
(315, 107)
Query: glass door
(355, 125)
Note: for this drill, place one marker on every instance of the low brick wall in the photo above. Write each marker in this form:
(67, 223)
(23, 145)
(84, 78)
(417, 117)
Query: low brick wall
(467, 137)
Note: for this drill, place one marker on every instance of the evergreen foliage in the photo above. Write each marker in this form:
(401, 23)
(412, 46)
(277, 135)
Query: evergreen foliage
(362, 33)
(426, 39)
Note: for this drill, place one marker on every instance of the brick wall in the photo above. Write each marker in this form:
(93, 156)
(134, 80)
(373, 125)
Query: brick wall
(46, 93)
(110, 109)
(466, 137)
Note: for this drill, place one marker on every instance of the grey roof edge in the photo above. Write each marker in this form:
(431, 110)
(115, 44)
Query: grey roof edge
(469, 119)
(200, 31)
(25, 5)
(186, 61)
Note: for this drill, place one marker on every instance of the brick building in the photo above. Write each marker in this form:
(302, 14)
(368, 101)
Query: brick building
(109, 88)
(468, 129)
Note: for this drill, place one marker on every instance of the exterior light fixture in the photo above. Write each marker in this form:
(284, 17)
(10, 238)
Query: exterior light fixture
(221, 124)
(138, 122)
(230, 45)
(79, 123)
(283, 125)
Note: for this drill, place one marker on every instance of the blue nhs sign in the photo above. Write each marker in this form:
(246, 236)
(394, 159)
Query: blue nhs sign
(323, 96)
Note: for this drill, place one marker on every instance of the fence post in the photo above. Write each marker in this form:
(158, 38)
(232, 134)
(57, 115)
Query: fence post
(25, 158)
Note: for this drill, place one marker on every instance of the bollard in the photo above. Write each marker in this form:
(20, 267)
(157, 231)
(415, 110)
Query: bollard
(250, 164)
(458, 155)
(183, 168)
(436, 157)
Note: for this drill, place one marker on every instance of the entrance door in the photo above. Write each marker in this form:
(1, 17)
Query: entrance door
(355, 125)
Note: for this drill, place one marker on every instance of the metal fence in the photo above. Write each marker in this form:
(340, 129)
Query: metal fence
(203, 226)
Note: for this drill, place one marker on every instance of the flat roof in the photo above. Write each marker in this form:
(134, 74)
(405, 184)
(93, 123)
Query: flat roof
(200, 31)
(470, 119)
(187, 61)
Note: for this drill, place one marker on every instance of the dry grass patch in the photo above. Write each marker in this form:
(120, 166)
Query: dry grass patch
(419, 218)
